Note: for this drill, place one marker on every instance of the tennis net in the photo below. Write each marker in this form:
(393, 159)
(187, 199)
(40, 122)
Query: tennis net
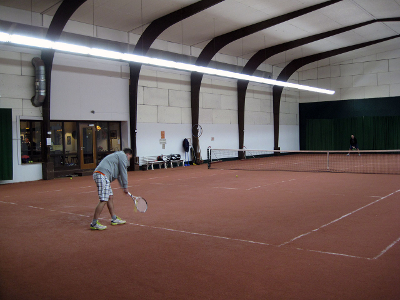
(367, 162)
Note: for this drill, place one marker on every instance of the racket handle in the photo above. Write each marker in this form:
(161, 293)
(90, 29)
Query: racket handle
(133, 197)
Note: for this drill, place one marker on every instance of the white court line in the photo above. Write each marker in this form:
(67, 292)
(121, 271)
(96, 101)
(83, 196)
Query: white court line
(338, 219)
(228, 238)
(89, 192)
(333, 253)
(41, 192)
(387, 248)
(269, 184)
(201, 234)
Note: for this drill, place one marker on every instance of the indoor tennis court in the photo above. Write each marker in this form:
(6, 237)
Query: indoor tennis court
(207, 234)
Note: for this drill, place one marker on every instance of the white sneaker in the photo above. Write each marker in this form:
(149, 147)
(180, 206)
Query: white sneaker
(118, 221)
(97, 226)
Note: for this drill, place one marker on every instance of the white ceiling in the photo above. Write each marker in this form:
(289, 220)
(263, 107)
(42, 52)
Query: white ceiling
(135, 15)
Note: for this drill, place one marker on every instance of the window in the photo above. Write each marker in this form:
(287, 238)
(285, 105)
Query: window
(65, 148)
(56, 148)
(102, 136)
(31, 140)
(108, 138)
(71, 144)
(115, 136)
(64, 145)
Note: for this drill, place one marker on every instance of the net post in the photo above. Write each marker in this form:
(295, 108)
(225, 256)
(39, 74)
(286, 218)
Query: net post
(277, 151)
(209, 157)
(327, 161)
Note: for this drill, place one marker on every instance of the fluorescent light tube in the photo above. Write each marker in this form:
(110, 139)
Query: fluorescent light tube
(43, 43)
(105, 53)
(4, 37)
(30, 41)
(71, 48)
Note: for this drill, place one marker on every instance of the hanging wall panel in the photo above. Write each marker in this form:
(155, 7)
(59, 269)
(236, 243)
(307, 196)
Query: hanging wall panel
(6, 166)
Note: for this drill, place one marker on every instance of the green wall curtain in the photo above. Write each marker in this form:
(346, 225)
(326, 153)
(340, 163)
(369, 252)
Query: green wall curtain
(6, 166)
(372, 133)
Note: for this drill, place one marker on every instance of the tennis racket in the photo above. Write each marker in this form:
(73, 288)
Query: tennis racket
(140, 203)
(197, 131)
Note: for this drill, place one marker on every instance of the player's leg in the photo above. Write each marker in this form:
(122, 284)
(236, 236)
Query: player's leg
(110, 205)
(103, 189)
(99, 209)
(115, 219)
(95, 225)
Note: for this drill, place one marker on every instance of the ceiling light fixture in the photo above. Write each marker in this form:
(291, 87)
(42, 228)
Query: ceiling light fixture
(95, 52)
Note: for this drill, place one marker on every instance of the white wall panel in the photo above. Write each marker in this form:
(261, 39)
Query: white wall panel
(171, 115)
(380, 66)
(148, 77)
(229, 102)
(149, 135)
(266, 106)
(10, 103)
(205, 116)
(257, 118)
(147, 114)
(289, 137)
(352, 69)
(341, 82)
(389, 78)
(155, 96)
(394, 90)
(394, 64)
(186, 115)
(179, 98)
(377, 91)
(324, 72)
(288, 119)
(352, 93)
(253, 104)
(211, 101)
(14, 86)
(168, 80)
(365, 80)
(225, 136)
(335, 71)
(225, 116)
(10, 63)
(74, 96)
(259, 137)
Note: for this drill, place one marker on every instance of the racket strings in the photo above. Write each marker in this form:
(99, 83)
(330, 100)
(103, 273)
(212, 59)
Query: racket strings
(141, 204)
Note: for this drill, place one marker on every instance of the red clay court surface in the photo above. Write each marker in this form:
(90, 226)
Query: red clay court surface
(208, 234)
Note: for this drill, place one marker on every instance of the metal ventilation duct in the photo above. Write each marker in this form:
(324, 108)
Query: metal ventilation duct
(40, 82)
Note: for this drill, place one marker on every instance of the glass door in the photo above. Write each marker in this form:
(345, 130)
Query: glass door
(87, 145)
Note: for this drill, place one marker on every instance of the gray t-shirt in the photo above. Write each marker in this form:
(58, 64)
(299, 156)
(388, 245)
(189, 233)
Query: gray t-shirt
(115, 166)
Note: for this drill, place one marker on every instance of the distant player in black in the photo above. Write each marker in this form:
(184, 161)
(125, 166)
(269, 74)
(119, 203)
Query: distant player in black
(353, 144)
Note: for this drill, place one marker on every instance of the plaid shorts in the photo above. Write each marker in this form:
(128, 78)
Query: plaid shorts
(103, 186)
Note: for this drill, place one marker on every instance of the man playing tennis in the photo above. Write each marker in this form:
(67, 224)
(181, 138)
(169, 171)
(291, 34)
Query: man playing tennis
(113, 166)
(353, 144)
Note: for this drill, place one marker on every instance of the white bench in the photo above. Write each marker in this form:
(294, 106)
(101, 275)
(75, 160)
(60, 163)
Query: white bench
(150, 161)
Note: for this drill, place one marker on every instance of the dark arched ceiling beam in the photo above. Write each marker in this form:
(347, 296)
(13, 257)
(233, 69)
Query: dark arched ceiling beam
(158, 26)
(296, 64)
(142, 47)
(257, 59)
(221, 41)
(60, 19)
